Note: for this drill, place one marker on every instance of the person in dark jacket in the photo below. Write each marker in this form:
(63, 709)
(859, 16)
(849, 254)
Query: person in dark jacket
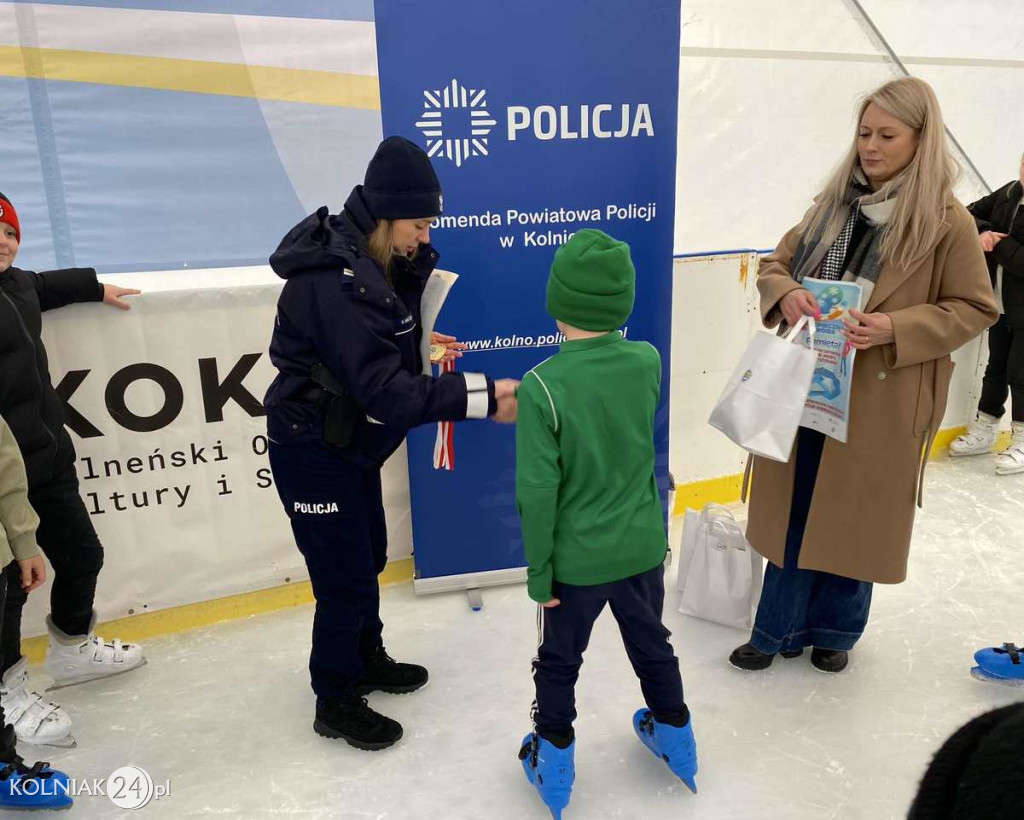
(351, 384)
(1000, 220)
(35, 413)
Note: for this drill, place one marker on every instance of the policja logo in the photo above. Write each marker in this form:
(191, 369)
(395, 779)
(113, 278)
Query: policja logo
(432, 123)
(545, 122)
(315, 509)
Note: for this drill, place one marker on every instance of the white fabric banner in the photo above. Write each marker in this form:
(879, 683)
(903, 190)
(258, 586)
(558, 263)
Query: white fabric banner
(166, 415)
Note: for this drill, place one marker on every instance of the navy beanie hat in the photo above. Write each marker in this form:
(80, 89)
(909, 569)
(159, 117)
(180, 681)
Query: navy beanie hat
(400, 182)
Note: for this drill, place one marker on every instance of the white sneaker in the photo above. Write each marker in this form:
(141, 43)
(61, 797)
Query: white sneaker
(35, 720)
(75, 659)
(979, 439)
(1011, 460)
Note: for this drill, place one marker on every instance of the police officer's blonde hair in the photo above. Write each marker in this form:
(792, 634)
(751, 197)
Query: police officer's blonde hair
(381, 246)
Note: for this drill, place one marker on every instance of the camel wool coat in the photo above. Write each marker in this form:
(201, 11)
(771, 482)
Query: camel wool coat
(862, 511)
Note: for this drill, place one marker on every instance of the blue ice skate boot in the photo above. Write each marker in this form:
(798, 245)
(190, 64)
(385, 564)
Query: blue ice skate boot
(673, 744)
(550, 770)
(1001, 664)
(33, 787)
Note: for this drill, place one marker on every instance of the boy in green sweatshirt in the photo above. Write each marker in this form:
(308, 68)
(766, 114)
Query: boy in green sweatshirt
(592, 518)
(21, 786)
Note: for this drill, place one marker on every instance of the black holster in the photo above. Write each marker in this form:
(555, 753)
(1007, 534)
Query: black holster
(340, 412)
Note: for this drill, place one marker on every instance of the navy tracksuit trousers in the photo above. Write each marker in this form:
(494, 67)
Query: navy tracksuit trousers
(564, 632)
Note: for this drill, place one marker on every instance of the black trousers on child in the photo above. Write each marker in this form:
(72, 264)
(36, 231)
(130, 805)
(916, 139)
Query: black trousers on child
(1005, 372)
(564, 632)
(68, 540)
(337, 517)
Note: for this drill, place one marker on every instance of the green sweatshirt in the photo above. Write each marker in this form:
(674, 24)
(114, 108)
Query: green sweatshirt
(585, 484)
(18, 521)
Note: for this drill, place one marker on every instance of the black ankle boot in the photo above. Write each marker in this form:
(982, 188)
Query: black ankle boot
(830, 660)
(751, 659)
(383, 674)
(350, 719)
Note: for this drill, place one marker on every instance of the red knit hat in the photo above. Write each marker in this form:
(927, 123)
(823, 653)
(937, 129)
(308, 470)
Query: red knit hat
(10, 216)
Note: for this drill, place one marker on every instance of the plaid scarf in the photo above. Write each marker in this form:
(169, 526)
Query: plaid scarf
(861, 264)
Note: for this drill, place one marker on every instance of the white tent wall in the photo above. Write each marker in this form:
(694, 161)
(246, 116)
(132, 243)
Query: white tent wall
(767, 96)
(768, 92)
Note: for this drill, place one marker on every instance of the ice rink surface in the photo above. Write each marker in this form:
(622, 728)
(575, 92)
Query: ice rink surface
(224, 713)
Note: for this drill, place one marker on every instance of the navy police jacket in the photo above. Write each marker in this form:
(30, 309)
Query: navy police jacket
(338, 310)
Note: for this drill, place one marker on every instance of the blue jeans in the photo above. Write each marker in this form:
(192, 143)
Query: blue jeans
(805, 607)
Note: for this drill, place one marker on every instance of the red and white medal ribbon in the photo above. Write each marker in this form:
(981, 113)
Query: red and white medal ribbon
(444, 445)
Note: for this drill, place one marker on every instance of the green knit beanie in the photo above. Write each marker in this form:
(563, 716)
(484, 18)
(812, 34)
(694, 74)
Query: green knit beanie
(592, 283)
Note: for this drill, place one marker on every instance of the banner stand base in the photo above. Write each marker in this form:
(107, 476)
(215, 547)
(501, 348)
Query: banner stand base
(471, 582)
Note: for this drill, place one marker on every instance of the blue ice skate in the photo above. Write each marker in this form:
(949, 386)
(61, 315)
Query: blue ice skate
(1000, 664)
(33, 787)
(673, 744)
(550, 770)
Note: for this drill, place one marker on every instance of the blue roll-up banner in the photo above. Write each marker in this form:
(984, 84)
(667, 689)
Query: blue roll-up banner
(541, 119)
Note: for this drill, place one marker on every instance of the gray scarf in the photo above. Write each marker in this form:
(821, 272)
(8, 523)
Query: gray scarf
(863, 263)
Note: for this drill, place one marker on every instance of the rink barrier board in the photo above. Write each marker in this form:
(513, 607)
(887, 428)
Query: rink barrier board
(726, 489)
(723, 490)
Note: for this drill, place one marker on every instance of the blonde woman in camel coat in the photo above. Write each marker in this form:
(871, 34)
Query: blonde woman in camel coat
(837, 518)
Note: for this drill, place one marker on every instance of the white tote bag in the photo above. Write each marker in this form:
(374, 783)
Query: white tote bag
(719, 574)
(763, 401)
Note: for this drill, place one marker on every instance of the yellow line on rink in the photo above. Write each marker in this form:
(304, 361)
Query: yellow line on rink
(326, 88)
(139, 628)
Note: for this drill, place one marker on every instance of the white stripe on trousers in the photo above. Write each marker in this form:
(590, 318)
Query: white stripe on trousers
(536, 660)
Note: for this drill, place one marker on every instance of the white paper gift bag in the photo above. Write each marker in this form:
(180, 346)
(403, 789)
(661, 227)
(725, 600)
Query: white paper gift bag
(763, 401)
(719, 574)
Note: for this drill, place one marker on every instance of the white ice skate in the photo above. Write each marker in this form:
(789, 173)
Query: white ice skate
(979, 439)
(75, 659)
(35, 720)
(1011, 460)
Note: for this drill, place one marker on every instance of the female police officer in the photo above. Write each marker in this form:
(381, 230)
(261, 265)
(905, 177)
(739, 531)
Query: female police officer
(346, 342)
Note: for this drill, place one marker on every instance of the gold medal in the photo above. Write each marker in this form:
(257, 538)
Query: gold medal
(437, 353)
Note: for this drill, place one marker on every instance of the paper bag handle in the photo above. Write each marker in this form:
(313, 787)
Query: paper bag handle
(805, 321)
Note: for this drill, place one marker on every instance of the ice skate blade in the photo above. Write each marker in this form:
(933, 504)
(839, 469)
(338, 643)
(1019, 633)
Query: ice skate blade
(980, 674)
(68, 742)
(88, 678)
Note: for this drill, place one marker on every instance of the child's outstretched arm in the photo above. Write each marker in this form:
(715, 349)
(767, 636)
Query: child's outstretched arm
(58, 288)
(538, 477)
